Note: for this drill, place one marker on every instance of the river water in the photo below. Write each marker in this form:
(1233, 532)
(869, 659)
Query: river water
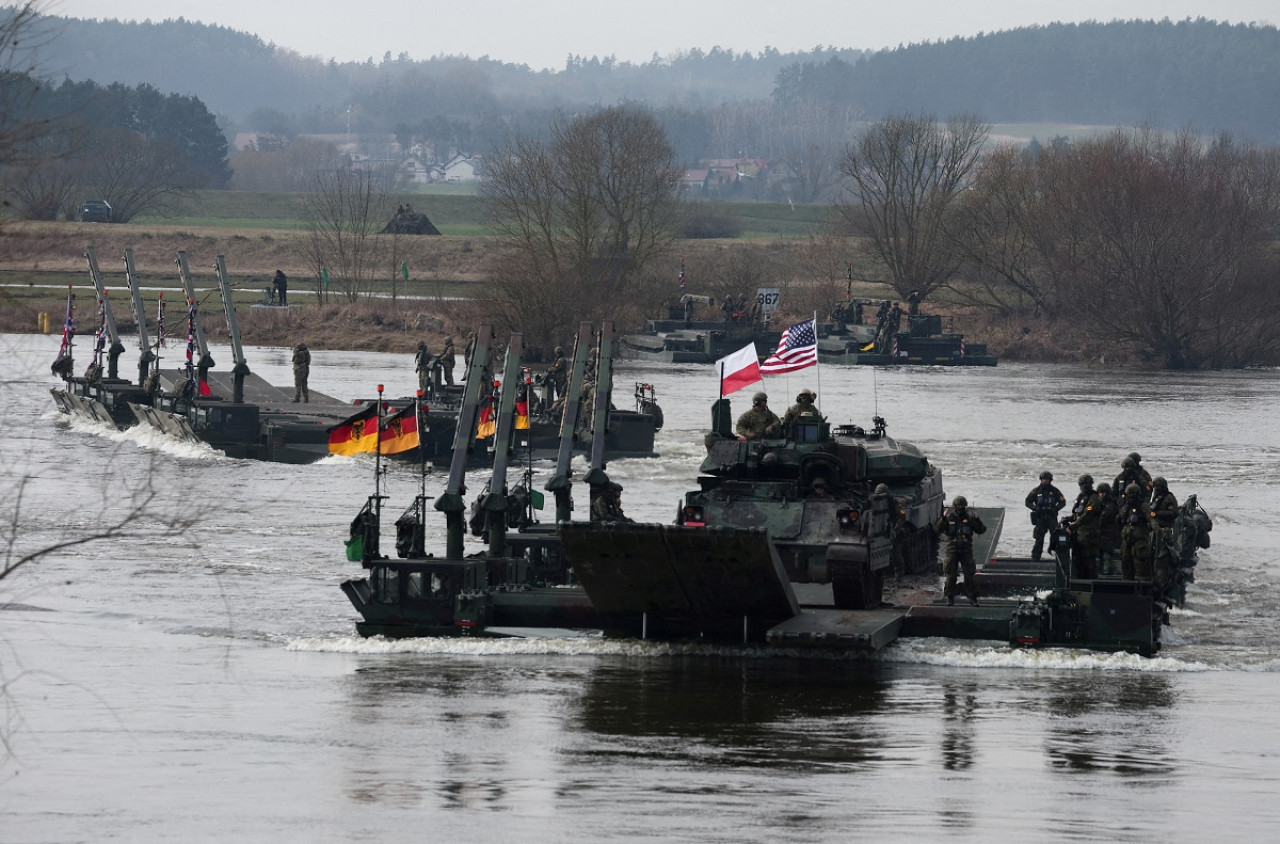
(210, 687)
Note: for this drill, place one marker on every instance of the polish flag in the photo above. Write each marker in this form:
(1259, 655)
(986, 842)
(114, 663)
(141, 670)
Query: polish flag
(738, 370)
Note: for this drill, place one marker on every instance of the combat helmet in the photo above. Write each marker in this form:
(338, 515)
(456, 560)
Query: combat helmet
(1086, 480)
(422, 344)
(1046, 475)
(1133, 490)
(559, 350)
(1158, 482)
(759, 397)
(1135, 457)
(806, 393)
(959, 501)
(882, 489)
(1127, 463)
(1104, 488)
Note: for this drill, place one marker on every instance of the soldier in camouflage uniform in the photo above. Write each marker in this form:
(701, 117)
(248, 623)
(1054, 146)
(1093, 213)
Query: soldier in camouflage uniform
(804, 406)
(422, 364)
(557, 377)
(1044, 502)
(448, 357)
(301, 371)
(957, 528)
(1132, 473)
(1109, 538)
(1162, 514)
(608, 505)
(1086, 530)
(1135, 535)
(759, 422)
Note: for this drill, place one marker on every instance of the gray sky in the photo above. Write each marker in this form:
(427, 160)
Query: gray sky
(544, 34)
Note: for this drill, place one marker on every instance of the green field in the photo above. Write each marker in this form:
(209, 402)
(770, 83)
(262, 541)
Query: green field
(454, 210)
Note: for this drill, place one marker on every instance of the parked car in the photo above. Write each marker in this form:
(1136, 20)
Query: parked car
(95, 211)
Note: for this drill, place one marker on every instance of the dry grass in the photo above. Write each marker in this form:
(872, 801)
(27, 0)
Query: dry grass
(54, 252)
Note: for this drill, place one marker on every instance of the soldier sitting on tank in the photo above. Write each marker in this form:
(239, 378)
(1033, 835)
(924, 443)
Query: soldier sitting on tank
(804, 406)
(957, 528)
(608, 505)
(1044, 502)
(759, 422)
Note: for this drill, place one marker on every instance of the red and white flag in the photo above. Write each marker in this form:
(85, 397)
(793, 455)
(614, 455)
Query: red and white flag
(738, 370)
(797, 349)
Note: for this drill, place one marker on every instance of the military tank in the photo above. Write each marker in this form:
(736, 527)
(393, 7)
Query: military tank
(843, 505)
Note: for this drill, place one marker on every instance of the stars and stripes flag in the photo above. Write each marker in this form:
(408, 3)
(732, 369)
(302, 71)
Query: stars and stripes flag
(797, 349)
(191, 339)
(160, 323)
(68, 325)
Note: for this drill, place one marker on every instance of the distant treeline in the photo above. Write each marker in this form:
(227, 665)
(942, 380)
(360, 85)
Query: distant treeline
(1195, 73)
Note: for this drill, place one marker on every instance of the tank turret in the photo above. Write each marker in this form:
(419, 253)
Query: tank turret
(814, 488)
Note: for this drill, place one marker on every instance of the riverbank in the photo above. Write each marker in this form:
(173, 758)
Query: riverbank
(445, 294)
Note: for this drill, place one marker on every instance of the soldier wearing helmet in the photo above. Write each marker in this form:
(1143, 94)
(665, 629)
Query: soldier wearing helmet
(804, 406)
(1086, 527)
(301, 371)
(1044, 502)
(557, 376)
(1162, 512)
(957, 527)
(1109, 538)
(758, 422)
(448, 357)
(422, 359)
(1135, 535)
(1132, 473)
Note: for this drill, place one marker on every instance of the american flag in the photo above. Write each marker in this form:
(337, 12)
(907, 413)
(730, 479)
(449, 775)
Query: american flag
(797, 349)
(160, 322)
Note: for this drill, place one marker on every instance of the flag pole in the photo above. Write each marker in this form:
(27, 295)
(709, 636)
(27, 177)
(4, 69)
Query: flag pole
(817, 364)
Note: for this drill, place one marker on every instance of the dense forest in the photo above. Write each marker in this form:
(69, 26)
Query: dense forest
(1200, 74)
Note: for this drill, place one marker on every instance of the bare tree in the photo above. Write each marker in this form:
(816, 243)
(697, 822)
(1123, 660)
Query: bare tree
(344, 214)
(1163, 243)
(999, 258)
(43, 184)
(23, 30)
(135, 175)
(290, 167)
(905, 175)
(582, 214)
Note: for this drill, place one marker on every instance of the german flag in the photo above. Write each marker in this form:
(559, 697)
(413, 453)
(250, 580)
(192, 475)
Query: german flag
(400, 431)
(356, 435)
(487, 426)
(522, 415)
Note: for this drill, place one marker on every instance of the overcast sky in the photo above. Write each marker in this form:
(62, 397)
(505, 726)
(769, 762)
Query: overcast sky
(544, 34)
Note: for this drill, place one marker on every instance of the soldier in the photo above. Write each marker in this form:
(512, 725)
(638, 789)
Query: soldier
(758, 422)
(608, 505)
(557, 376)
(1044, 502)
(1132, 473)
(447, 360)
(895, 318)
(422, 363)
(1135, 535)
(1085, 529)
(1109, 537)
(804, 406)
(818, 489)
(281, 284)
(958, 527)
(1162, 512)
(898, 526)
(301, 370)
